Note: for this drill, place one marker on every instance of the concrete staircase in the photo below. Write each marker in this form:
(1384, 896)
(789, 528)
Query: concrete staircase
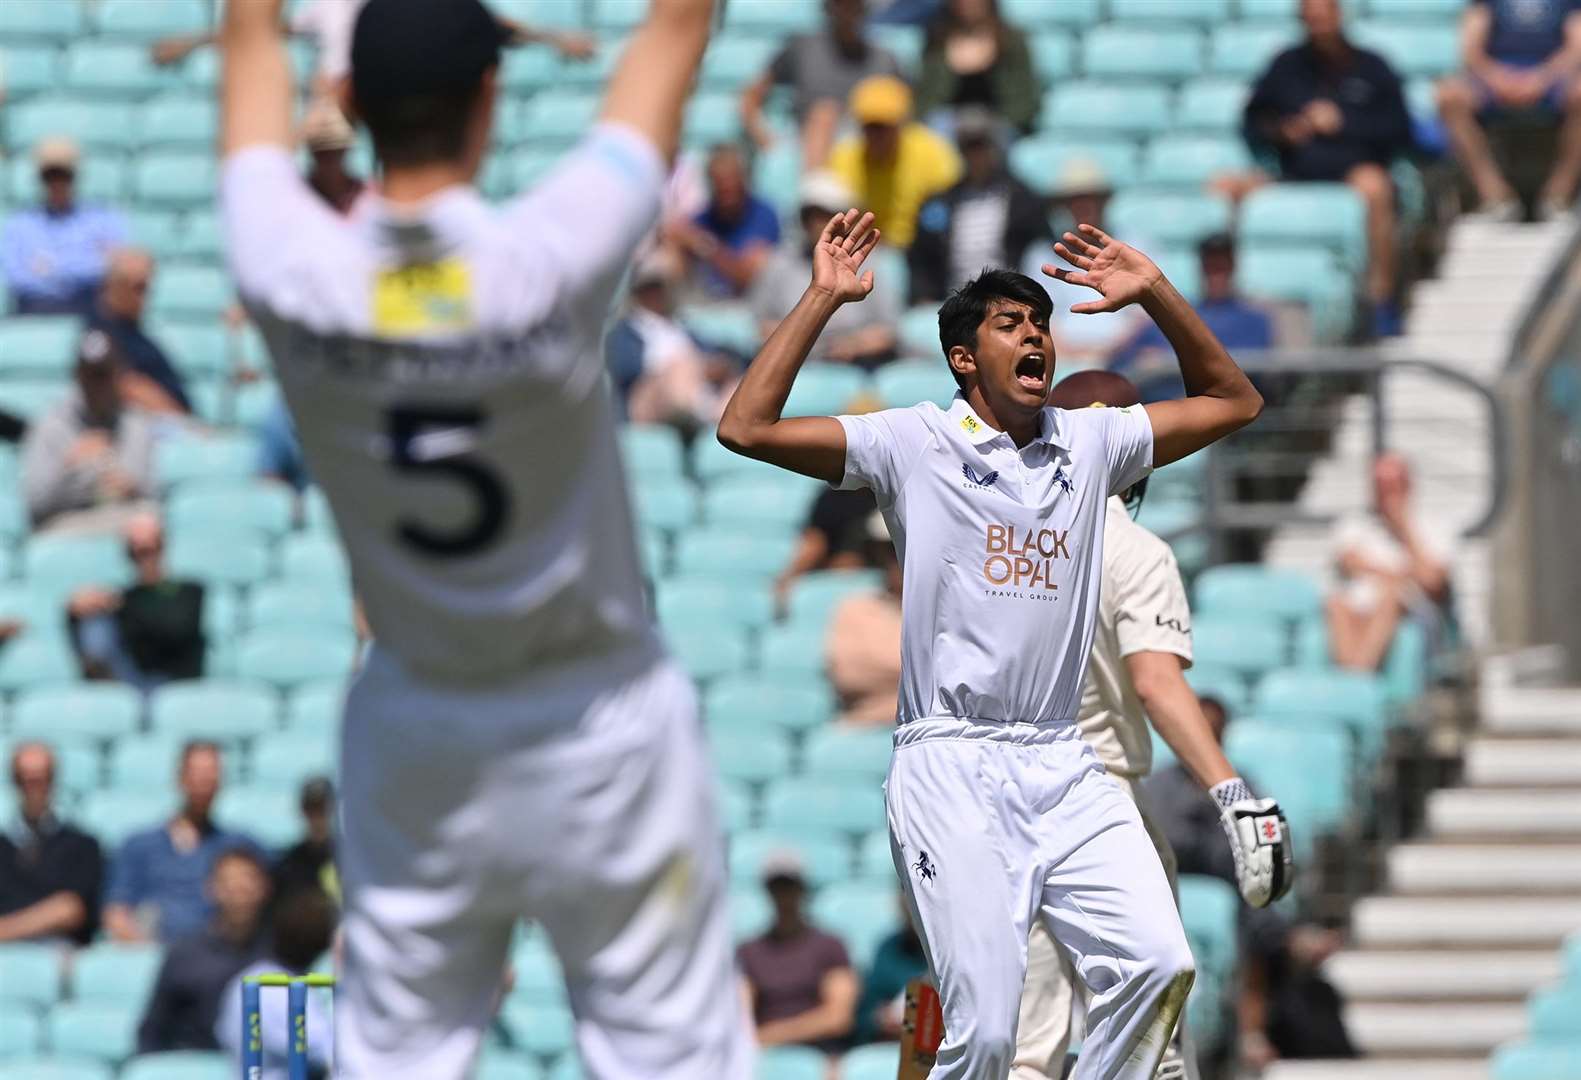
(1474, 910)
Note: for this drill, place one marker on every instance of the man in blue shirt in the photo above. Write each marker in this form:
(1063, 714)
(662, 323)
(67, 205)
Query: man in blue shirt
(1522, 56)
(54, 254)
(157, 883)
(735, 233)
(1149, 361)
(150, 381)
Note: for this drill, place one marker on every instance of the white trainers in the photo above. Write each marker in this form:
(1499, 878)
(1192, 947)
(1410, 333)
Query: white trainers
(1552, 209)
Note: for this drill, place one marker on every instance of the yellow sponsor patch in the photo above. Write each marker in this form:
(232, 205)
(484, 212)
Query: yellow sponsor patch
(423, 298)
(970, 425)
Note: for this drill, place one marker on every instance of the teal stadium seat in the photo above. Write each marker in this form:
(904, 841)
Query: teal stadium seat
(750, 756)
(31, 972)
(25, 19)
(1039, 160)
(702, 603)
(316, 707)
(538, 973)
(860, 913)
(495, 1064)
(1556, 1014)
(1413, 48)
(528, 70)
(1211, 104)
(1208, 910)
(140, 19)
(732, 62)
(92, 710)
(94, 67)
(733, 552)
(269, 813)
(874, 859)
(1121, 51)
(122, 974)
(1029, 14)
(919, 325)
(794, 1063)
(1245, 49)
(542, 1028)
(114, 814)
(731, 327)
(738, 810)
(213, 457)
(793, 651)
(1331, 215)
(1149, 11)
(1247, 645)
(291, 657)
(174, 179)
(907, 382)
(286, 759)
(567, 1068)
(618, 14)
(1254, 589)
(30, 69)
(706, 654)
(779, 503)
(56, 1067)
(1102, 107)
(1053, 55)
(824, 853)
(221, 506)
(185, 1065)
(1170, 218)
(1353, 698)
(774, 18)
(97, 125)
(755, 702)
(670, 505)
(196, 349)
(1190, 161)
(1537, 1061)
(201, 239)
(144, 761)
(191, 292)
(825, 389)
(776, 177)
(39, 345)
(809, 802)
(876, 1061)
(1308, 771)
(1225, 684)
(1406, 664)
(651, 450)
(291, 603)
(36, 659)
(218, 554)
(553, 116)
(99, 1030)
(312, 558)
(223, 710)
(179, 121)
(158, 231)
(21, 1033)
(1309, 275)
(858, 753)
(29, 398)
(712, 118)
(814, 596)
(1269, 10)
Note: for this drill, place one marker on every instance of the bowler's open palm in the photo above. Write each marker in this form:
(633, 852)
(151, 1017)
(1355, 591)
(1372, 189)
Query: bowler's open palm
(837, 259)
(1118, 272)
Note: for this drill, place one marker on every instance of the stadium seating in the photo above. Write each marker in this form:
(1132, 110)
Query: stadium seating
(182, 1065)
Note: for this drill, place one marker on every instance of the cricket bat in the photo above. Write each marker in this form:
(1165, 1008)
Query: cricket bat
(921, 1031)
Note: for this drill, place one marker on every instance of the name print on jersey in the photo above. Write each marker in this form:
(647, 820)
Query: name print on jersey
(1023, 559)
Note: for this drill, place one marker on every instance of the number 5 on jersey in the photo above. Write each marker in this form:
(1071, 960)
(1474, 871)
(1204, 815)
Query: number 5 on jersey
(434, 442)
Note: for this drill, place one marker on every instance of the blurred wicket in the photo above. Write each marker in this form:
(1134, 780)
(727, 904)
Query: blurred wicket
(296, 1011)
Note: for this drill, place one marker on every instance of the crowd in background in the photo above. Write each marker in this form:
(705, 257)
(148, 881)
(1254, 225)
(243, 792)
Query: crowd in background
(929, 157)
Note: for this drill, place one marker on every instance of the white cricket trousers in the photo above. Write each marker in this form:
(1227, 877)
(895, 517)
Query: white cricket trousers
(994, 825)
(1043, 1035)
(582, 799)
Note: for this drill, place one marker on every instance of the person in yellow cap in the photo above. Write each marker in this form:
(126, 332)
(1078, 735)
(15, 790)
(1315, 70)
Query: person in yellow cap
(895, 165)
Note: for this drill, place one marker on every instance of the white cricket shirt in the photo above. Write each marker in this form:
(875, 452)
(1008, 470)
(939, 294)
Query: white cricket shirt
(1143, 609)
(1001, 550)
(444, 367)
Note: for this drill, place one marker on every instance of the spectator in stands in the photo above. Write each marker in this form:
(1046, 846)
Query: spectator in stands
(834, 538)
(735, 234)
(157, 890)
(1333, 111)
(184, 1006)
(1520, 56)
(1148, 360)
(1286, 1008)
(662, 374)
(974, 59)
(897, 960)
(895, 164)
(862, 646)
(866, 339)
(54, 254)
(88, 462)
(1081, 195)
(1391, 568)
(988, 219)
(328, 136)
(152, 631)
(302, 930)
(310, 862)
(149, 380)
(799, 980)
(50, 872)
(821, 69)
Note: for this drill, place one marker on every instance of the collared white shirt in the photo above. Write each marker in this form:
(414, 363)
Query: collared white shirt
(443, 366)
(1001, 550)
(1143, 609)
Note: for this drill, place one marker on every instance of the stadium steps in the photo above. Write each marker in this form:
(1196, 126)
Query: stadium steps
(1441, 966)
(1376, 1070)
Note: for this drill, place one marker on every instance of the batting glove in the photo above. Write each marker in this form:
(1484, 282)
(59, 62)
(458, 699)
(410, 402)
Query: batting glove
(1259, 839)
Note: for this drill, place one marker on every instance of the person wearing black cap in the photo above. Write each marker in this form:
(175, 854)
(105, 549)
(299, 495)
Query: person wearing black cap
(310, 862)
(518, 743)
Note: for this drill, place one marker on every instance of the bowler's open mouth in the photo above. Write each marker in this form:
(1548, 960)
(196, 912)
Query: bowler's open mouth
(1032, 370)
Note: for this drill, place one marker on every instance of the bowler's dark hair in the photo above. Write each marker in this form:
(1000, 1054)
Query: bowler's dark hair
(969, 305)
(419, 129)
(304, 928)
